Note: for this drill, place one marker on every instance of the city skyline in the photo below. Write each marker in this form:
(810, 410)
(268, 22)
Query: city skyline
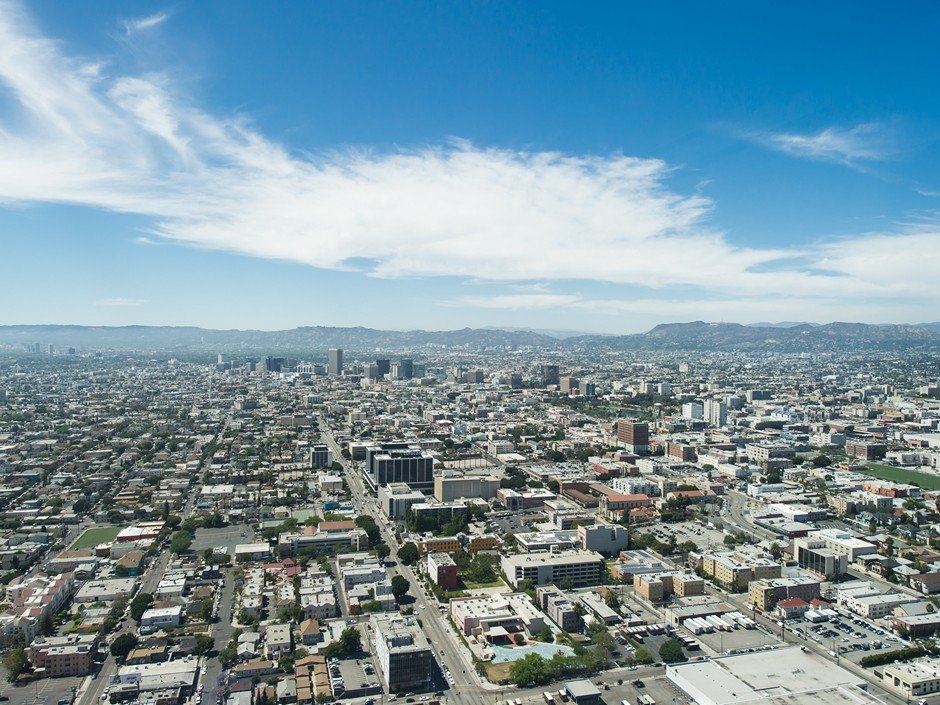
(599, 170)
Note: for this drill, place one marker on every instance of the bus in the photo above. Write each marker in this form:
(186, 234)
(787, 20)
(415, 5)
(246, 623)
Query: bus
(549, 700)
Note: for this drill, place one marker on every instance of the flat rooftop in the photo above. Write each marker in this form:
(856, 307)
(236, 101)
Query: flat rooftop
(785, 674)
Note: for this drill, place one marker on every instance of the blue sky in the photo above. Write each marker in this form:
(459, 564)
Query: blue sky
(437, 165)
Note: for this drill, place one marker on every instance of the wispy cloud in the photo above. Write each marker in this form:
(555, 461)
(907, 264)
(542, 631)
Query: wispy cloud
(141, 24)
(129, 144)
(120, 303)
(868, 142)
(516, 301)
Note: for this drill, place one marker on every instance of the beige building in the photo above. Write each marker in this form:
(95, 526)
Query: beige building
(916, 678)
(735, 570)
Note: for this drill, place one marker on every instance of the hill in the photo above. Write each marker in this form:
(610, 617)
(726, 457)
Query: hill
(695, 335)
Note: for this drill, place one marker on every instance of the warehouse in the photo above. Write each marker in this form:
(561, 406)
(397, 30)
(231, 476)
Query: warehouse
(785, 675)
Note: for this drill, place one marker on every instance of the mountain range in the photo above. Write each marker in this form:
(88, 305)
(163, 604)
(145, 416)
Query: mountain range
(695, 335)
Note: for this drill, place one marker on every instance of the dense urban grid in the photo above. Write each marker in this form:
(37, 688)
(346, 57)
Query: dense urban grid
(470, 525)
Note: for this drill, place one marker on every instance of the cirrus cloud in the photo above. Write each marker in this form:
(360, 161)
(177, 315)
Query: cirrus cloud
(70, 133)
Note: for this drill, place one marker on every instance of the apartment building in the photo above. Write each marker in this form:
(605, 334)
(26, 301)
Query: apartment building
(735, 570)
(766, 593)
(656, 587)
(70, 655)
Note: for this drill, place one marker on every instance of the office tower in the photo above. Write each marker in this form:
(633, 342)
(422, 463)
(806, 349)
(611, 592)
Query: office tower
(567, 384)
(335, 364)
(406, 368)
(587, 389)
(693, 410)
(399, 461)
(273, 364)
(634, 435)
(218, 359)
(383, 367)
(515, 380)
(548, 374)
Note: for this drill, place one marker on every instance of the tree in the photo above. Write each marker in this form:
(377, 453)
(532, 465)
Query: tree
(367, 524)
(140, 604)
(529, 670)
(642, 656)
(180, 542)
(822, 461)
(612, 600)
(408, 553)
(351, 640)
(122, 645)
(204, 644)
(205, 609)
(671, 651)
(15, 662)
(400, 587)
(382, 551)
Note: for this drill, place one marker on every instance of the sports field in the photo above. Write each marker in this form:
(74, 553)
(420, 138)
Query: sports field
(95, 535)
(903, 475)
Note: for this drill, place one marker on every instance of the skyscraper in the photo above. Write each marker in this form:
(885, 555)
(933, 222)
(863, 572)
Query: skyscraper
(548, 374)
(335, 366)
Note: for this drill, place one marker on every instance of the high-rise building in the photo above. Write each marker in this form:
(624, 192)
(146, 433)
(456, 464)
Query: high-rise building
(406, 368)
(320, 456)
(335, 362)
(567, 384)
(273, 364)
(399, 461)
(634, 435)
(548, 375)
(382, 367)
(715, 412)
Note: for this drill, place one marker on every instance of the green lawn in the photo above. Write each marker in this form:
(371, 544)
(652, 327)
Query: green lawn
(903, 475)
(491, 584)
(95, 535)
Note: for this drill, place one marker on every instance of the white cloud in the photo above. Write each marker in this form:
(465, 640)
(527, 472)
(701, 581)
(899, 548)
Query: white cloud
(120, 302)
(862, 143)
(141, 24)
(73, 134)
(516, 301)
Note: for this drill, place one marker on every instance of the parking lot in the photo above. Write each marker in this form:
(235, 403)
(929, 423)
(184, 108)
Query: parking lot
(47, 691)
(850, 636)
(226, 537)
(703, 536)
(659, 688)
(736, 640)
